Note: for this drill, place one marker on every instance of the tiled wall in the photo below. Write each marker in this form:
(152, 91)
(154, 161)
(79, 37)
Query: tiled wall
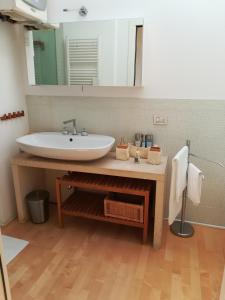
(203, 122)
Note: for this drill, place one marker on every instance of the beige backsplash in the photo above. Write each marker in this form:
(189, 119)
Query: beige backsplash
(201, 121)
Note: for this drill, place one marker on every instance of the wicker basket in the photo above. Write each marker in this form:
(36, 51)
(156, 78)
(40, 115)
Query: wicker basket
(143, 151)
(124, 207)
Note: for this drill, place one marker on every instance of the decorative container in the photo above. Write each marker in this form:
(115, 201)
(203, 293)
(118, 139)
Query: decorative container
(154, 156)
(124, 207)
(122, 153)
(143, 151)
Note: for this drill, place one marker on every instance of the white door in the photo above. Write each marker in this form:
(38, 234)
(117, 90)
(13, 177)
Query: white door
(2, 284)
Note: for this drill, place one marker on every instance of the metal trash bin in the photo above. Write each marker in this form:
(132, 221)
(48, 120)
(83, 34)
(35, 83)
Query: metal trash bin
(38, 206)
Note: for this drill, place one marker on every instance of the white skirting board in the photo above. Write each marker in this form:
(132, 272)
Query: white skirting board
(207, 225)
(12, 247)
(202, 224)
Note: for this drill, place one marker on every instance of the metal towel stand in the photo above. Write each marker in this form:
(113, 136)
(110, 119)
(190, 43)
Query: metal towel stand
(182, 228)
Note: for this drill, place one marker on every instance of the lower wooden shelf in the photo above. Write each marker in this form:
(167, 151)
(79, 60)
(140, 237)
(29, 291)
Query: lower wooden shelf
(91, 205)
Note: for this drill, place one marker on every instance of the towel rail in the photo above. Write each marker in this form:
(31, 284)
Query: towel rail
(208, 160)
(182, 228)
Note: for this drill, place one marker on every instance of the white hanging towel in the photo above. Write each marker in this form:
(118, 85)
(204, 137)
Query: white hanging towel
(195, 179)
(178, 183)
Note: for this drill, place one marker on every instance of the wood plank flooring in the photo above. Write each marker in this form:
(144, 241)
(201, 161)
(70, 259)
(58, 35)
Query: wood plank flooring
(90, 260)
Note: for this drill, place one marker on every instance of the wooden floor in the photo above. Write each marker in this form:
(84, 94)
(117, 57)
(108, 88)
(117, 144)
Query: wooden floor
(89, 260)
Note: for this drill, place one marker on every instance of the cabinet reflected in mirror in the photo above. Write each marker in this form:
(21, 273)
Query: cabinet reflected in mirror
(98, 53)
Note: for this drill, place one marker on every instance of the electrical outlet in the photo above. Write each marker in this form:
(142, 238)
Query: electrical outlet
(160, 120)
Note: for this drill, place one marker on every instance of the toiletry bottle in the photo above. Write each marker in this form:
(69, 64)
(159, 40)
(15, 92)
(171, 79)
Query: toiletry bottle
(137, 140)
(143, 141)
(148, 140)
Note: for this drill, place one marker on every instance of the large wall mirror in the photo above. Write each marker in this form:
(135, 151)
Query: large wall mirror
(98, 53)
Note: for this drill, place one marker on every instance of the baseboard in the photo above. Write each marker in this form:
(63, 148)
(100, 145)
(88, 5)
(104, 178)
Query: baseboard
(202, 224)
(8, 221)
(207, 225)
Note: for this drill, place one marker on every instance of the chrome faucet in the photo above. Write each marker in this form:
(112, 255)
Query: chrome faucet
(73, 121)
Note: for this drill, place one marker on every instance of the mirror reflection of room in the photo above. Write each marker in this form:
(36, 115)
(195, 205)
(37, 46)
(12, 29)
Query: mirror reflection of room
(99, 53)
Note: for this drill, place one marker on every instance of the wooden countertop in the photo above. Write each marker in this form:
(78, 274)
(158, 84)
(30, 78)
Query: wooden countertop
(107, 165)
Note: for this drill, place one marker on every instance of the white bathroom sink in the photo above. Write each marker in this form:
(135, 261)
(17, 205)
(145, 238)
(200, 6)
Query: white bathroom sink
(68, 147)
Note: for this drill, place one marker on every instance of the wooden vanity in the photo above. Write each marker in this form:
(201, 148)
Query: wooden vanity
(28, 174)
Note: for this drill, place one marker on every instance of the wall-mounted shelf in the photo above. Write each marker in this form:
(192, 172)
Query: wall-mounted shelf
(85, 91)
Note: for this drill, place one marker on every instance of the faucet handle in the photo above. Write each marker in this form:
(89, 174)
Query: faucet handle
(65, 131)
(84, 132)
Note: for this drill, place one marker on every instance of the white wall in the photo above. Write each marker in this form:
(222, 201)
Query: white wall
(97, 9)
(12, 98)
(186, 49)
(184, 44)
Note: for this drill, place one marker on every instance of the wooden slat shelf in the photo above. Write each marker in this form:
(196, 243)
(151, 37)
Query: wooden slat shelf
(108, 183)
(91, 205)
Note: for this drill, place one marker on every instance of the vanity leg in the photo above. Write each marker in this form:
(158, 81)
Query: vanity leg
(59, 201)
(159, 214)
(146, 217)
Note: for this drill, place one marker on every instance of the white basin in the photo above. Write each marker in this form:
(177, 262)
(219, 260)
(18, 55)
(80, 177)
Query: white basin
(68, 147)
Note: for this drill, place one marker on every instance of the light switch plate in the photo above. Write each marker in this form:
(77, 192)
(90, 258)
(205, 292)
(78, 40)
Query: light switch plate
(160, 120)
